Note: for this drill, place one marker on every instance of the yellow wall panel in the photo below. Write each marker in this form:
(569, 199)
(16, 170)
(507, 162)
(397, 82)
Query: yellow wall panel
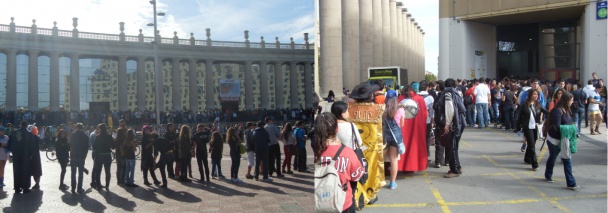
(461, 7)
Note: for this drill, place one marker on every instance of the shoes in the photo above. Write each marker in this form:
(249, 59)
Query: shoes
(575, 187)
(374, 200)
(289, 172)
(597, 132)
(284, 171)
(37, 186)
(191, 175)
(578, 135)
(86, 171)
(249, 176)
(393, 185)
(157, 183)
(63, 187)
(27, 191)
(184, 179)
(147, 183)
(523, 147)
(267, 180)
(451, 175)
(164, 185)
(550, 180)
(236, 180)
(535, 168)
(445, 164)
(280, 175)
(73, 191)
(437, 165)
(222, 177)
(461, 171)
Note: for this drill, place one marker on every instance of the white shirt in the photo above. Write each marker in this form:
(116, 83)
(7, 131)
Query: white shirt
(596, 97)
(345, 134)
(428, 100)
(532, 122)
(482, 91)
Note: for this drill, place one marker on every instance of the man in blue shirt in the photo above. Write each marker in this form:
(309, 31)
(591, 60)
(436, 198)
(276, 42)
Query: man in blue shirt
(533, 85)
(301, 147)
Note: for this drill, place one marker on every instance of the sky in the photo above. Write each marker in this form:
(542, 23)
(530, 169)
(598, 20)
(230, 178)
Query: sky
(227, 19)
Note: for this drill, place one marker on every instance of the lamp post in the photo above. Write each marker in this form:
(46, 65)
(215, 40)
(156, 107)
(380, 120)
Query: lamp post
(156, 70)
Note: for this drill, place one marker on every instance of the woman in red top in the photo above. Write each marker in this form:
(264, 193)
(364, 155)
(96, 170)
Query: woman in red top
(556, 96)
(326, 145)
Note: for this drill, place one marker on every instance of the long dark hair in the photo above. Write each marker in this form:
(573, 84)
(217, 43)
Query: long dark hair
(406, 91)
(184, 133)
(338, 108)
(563, 102)
(287, 131)
(103, 129)
(391, 107)
(216, 137)
(530, 100)
(325, 128)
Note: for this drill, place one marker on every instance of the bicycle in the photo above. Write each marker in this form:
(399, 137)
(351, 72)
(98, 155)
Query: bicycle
(51, 152)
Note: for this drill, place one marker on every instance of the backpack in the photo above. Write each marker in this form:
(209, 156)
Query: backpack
(330, 193)
(468, 100)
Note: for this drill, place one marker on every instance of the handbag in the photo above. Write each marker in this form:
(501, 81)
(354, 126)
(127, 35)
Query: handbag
(400, 145)
(242, 148)
(360, 155)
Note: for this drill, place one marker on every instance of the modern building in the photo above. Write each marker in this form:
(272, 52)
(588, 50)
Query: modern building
(52, 68)
(546, 39)
(358, 34)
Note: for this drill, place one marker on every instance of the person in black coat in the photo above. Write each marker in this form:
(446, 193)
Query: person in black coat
(79, 149)
(162, 147)
(261, 138)
(450, 129)
(201, 139)
(171, 135)
(102, 153)
(22, 145)
(63, 155)
(528, 116)
(147, 160)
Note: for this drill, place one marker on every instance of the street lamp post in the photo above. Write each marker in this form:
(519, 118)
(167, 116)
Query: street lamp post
(156, 69)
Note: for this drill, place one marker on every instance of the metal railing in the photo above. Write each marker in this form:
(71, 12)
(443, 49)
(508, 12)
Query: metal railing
(130, 38)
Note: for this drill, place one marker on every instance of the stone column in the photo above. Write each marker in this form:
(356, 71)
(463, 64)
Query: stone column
(264, 85)
(54, 81)
(423, 63)
(399, 19)
(377, 32)
(161, 87)
(74, 82)
(350, 43)
(32, 83)
(141, 83)
(386, 33)
(330, 24)
(308, 90)
(405, 36)
(408, 42)
(366, 37)
(248, 85)
(122, 84)
(193, 84)
(176, 85)
(293, 85)
(209, 84)
(11, 80)
(278, 85)
(394, 29)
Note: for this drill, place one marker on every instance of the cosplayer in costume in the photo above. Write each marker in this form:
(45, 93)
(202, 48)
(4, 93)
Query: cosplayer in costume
(414, 135)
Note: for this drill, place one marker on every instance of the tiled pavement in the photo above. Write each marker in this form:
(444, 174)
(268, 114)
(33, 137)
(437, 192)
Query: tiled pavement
(293, 193)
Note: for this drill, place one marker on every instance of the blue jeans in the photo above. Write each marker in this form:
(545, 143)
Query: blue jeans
(553, 153)
(216, 167)
(77, 164)
(578, 117)
(482, 114)
(509, 113)
(129, 170)
(495, 112)
(471, 115)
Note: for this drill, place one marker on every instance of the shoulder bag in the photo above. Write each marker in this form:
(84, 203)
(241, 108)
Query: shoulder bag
(360, 155)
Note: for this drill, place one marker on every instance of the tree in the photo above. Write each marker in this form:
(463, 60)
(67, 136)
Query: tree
(429, 76)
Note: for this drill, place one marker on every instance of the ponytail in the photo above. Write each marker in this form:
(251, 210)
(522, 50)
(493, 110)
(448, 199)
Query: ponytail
(325, 128)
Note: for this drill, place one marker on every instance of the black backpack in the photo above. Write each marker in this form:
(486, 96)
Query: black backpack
(468, 100)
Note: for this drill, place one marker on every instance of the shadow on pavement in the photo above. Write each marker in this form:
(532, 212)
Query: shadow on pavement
(25, 202)
(87, 203)
(143, 193)
(178, 195)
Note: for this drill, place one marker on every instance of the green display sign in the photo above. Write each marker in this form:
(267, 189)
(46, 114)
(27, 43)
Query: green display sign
(602, 10)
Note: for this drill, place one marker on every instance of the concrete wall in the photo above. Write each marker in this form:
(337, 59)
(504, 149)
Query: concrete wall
(593, 45)
(457, 48)
(485, 8)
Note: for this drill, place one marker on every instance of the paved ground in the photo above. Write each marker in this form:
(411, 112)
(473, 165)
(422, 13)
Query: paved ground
(292, 193)
(497, 180)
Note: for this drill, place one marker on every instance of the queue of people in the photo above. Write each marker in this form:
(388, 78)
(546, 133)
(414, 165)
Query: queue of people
(170, 152)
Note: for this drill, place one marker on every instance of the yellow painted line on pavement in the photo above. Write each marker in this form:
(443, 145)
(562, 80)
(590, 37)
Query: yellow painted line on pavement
(580, 197)
(500, 156)
(493, 202)
(401, 205)
(503, 173)
(531, 187)
(466, 144)
(437, 195)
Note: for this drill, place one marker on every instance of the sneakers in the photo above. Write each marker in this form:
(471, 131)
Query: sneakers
(267, 180)
(451, 175)
(550, 180)
(236, 180)
(249, 176)
(437, 165)
(534, 169)
(280, 175)
(393, 185)
(575, 187)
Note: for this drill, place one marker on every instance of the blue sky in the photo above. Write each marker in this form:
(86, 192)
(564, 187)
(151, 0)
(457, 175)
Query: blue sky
(227, 19)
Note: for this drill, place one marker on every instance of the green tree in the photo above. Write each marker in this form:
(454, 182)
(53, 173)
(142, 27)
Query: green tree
(428, 77)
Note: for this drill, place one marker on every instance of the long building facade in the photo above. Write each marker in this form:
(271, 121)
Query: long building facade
(358, 34)
(548, 39)
(52, 68)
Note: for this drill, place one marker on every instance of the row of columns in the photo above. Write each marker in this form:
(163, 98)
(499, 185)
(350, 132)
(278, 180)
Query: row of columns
(358, 34)
(11, 86)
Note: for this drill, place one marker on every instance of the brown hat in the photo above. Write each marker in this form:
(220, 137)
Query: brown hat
(364, 90)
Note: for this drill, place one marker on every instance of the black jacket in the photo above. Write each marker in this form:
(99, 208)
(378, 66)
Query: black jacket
(458, 122)
(103, 144)
(162, 146)
(79, 145)
(249, 140)
(63, 149)
(261, 139)
(201, 139)
(524, 114)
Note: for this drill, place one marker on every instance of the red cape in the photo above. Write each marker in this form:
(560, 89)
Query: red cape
(414, 136)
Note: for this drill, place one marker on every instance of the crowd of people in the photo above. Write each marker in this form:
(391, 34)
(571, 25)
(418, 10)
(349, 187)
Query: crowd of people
(170, 151)
(136, 117)
(551, 110)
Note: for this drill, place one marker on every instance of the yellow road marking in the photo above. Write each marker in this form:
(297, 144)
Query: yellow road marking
(542, 194)
(579, 196)
(501, 156)
(437, 195)
(493, 202)
(503, 173)
(401, 205)
(466, 144)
